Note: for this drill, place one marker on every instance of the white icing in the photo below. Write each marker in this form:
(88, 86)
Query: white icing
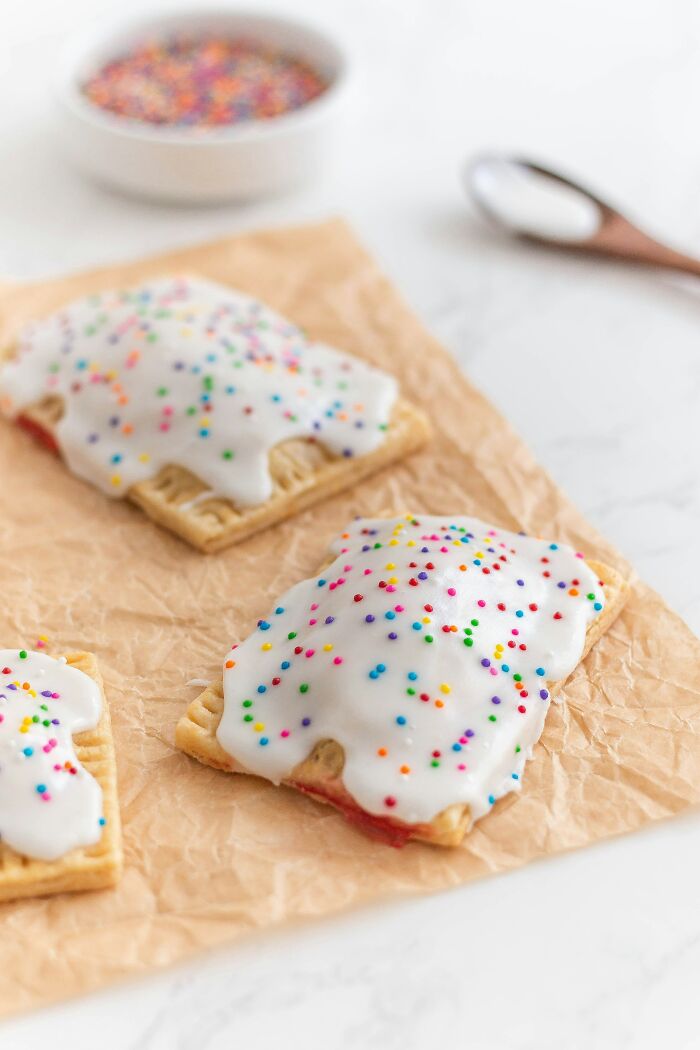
(188, 372)
(39, 754)
(197, 500)
(450, 717)
(532, 203)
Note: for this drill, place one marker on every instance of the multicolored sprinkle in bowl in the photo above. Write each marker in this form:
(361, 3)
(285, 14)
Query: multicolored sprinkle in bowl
(201, 106)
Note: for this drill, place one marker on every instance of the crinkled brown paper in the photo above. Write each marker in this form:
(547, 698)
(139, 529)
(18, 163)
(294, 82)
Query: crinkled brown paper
(211, 856)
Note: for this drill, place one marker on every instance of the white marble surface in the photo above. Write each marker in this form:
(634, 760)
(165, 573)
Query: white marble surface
(597, 367)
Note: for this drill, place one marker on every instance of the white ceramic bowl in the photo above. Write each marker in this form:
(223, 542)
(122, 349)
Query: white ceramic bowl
(200, 165)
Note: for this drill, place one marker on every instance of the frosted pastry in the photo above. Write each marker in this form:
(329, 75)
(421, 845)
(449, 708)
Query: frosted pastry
(409, 682)
(203, 406)
(59, 821)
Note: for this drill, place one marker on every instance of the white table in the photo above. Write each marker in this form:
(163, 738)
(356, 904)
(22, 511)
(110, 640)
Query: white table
(596, 366)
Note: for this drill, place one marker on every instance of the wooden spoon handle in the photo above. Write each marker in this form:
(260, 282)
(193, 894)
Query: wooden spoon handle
(619, 238)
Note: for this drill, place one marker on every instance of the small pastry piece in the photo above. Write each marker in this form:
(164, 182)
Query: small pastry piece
(59, 816)
(408, 683)
(211, 412)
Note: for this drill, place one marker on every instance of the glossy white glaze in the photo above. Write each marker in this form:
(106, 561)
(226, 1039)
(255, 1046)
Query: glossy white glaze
(608, 960)
(532, 203)
(189, 372)
(49, 804)
(425, 650)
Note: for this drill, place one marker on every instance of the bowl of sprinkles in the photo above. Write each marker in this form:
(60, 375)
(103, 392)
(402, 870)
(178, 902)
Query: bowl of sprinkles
(202, 106)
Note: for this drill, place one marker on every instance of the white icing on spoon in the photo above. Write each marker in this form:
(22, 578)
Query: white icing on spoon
(425, 650)
(188, 372)
(532, 202)
(49, 804)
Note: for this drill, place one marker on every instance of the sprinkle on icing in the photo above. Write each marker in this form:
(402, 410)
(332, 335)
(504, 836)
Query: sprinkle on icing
(426, 650)
(184, 371)
(49, 804)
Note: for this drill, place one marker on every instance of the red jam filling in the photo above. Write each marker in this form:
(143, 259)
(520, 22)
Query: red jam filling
(39, 433)
(391, 832)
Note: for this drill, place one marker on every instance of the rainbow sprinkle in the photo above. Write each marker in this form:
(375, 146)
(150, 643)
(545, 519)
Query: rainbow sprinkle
(426, 650)
(186, 371)
(207, 82)
(48, 803)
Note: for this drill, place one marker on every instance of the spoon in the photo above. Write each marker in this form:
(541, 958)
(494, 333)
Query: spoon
(540, 205)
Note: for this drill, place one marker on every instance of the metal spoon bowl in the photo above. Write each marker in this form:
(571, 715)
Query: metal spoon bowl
(540, 205)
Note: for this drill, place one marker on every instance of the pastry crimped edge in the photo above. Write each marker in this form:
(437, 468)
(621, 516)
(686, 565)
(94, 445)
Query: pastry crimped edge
(320, 774)
(88, 867)
(303, 472)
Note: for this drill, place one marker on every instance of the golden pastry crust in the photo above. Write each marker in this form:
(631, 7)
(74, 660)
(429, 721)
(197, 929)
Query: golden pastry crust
(303, 472)
(321, 773)
(87, 868)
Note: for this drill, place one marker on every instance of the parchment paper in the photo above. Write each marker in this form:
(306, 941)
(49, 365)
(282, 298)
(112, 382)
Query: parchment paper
(210, 856)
